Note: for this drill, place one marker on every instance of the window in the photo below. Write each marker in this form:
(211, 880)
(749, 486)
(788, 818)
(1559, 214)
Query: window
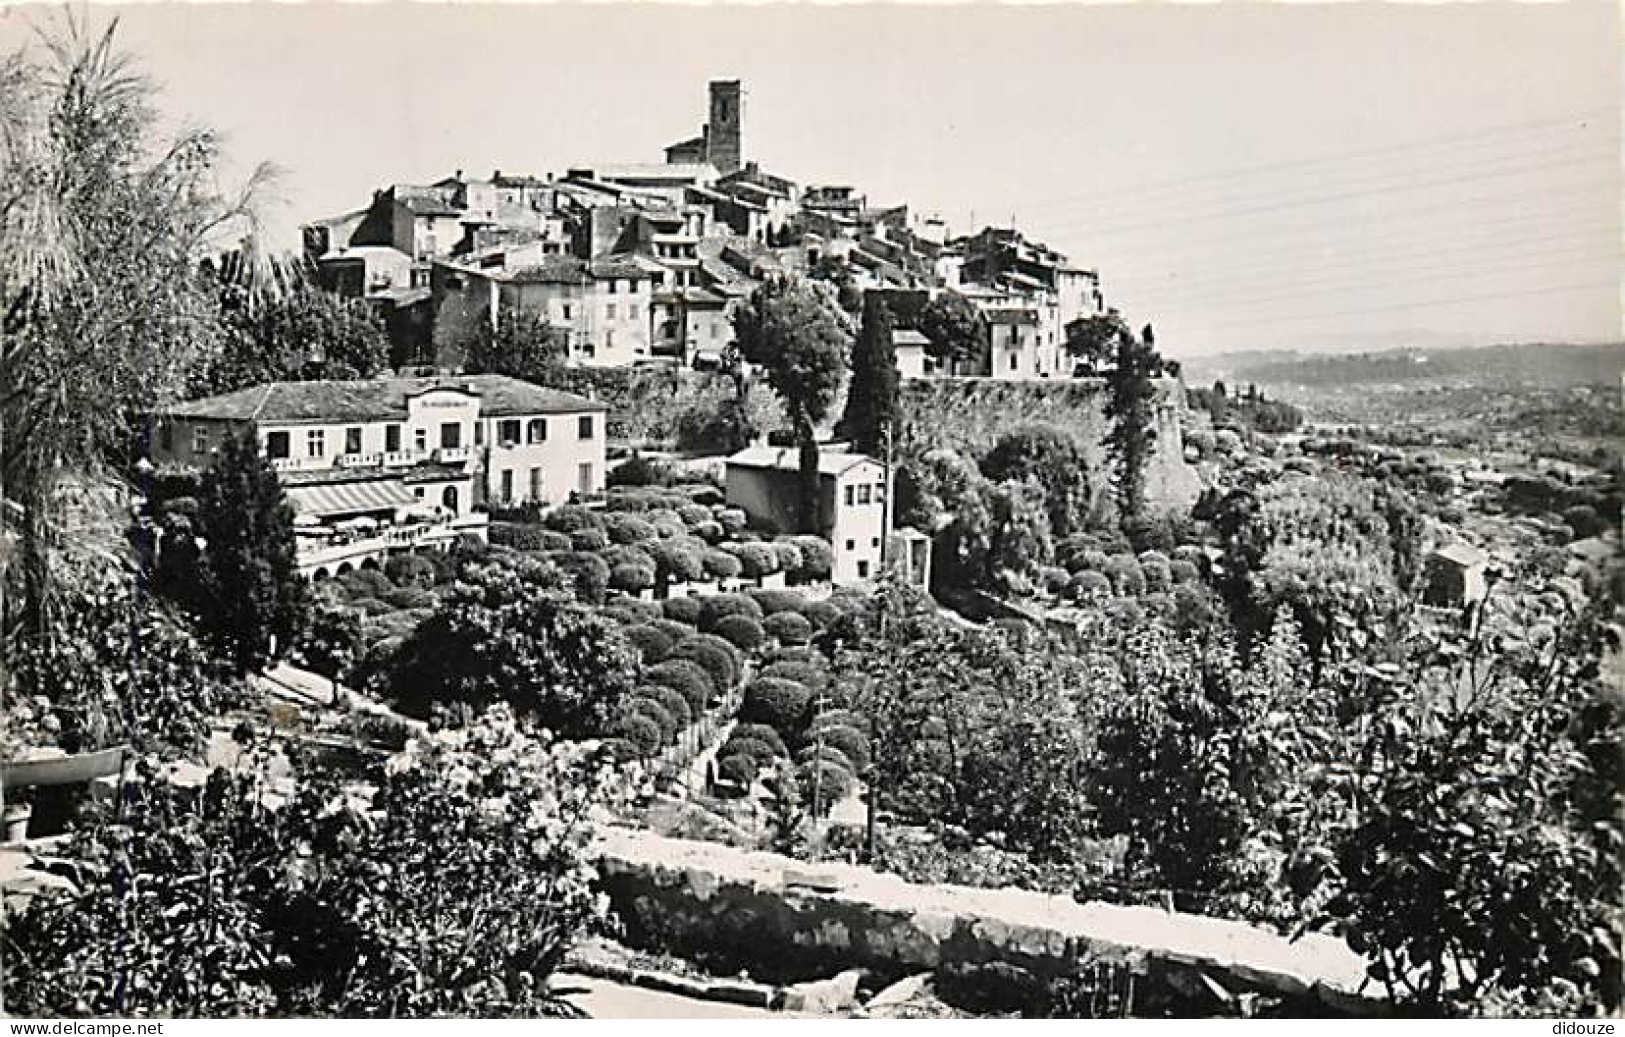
(352, 440)
(863, 570)
(609, 340)
(166, 435)
(479, 433)
(716, 330)
(315, 443)
(277, 445)
(537, 432)
(880, 493)
(507, 486)
(451, 435)
(614, 286)
(851, 492)
(584, 477)
(851, 545)
(418, 492)
(535, 484)
(632, 311)
(609, 311)
(508, 432)
(863, 494)
(420, 439)
(1012, 361)
(566, 309)
(392, 438)
(200, 439)
(584, 427)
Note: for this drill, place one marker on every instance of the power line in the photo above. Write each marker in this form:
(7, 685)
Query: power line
(1412, 185)
(1569, 122)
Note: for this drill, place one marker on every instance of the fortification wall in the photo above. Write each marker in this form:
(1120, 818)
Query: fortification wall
(970, 414)
(760, 912)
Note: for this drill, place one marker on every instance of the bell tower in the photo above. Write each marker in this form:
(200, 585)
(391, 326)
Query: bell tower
(724, 144)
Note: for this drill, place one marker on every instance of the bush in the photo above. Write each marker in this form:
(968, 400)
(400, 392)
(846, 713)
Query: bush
(683, 610)
(733, 520)
(811, 675)
(790, 559)
(743, 632)
(758, 751)
(372, 606)
(721, 565)
(755, 560)
(1052, 578)
(638, 470)
(631, 578)
(588, 540)
(707, 494)
(411, 570)
(639, 730)
(645, 611)
(772, 601)
(761, 733)
(715, 607)
(832, 783)
(569, 518)
(829, 754)
(1089, 585)
(842, 718)
(693, 514)
(589, 574)
(687, 678)
(676, 562)
(714, 655)
(653, 710)
(778, 703)
(821, 614)
(521, 536)
(738, 768)
(670, 699)
(795, 654)
(788, 628)
(709, 531)
(412, 598)
(1158, 575)
(621, 750)
(1124, 572)
(652, 643)
(817, 558)
(1181, 571)
(854, 744)
(629, 529)
(365, 583)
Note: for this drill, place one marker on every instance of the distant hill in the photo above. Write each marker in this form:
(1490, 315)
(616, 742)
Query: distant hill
(1501, 367)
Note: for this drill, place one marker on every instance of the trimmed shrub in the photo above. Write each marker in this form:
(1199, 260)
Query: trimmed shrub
(1088, 585)
(756, 560)
(771, 601)
(629, 529)
(683, 610)
(714, 607)
(789, 556)
(807, 673)
(817, 558)
(821, 614)
(588, 573)
(652, 643)
(761, 733)
(1087, 560)
(714, 655)
(620, 613)
(568, 518)
(780, 704)
(639, 730)
(743, 632)
(854, 744)
(365, 583)
(667, 525)
(693, 514)
(842, 718)
(832, 784)
(794, 654)
(709, 531)
(646, 611)
(829, 754)
(670, 699)
(653, 710)
(1158, 575)
(412, 598)
(671, 628)
(631, 577)
(721, 565)
(703, 493)
(1181, 571)
(638, 470)
(1052, 578)
(733, 520)
(588, 540)
(760, 752)
(676, 561)
(788, 628)
(521, 536)
(372, 606)
(687, 678)
(739, 768)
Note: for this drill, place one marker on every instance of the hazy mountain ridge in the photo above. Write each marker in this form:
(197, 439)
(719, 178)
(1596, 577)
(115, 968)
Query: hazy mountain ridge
(1547, 365)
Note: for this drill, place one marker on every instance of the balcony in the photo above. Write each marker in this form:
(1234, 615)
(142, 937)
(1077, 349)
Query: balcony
(453, 454)
(330, 548)
(358, 460)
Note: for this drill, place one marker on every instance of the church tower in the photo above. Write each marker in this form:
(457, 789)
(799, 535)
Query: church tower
(724, 138)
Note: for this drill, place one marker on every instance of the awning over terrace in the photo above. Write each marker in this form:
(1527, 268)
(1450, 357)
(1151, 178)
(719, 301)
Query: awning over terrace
(350, 498)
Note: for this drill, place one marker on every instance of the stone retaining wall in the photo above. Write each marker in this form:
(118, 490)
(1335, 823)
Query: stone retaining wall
(784, 920)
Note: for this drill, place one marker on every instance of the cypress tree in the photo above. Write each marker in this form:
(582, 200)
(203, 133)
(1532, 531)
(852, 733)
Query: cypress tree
(247, 526)
(871, 402)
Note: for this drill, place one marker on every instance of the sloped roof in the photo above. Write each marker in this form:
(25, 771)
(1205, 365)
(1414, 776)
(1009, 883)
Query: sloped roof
(656, 171)
(909, 337)
(378, 399)
(787, 459)
(1462, 554)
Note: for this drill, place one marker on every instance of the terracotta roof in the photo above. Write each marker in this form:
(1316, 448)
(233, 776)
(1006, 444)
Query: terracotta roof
(378, 399)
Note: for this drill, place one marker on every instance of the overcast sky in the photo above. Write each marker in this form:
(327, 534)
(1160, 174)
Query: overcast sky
(1242, 176)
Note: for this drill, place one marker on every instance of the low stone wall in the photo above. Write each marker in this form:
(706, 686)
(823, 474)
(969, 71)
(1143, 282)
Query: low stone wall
(785, 920)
